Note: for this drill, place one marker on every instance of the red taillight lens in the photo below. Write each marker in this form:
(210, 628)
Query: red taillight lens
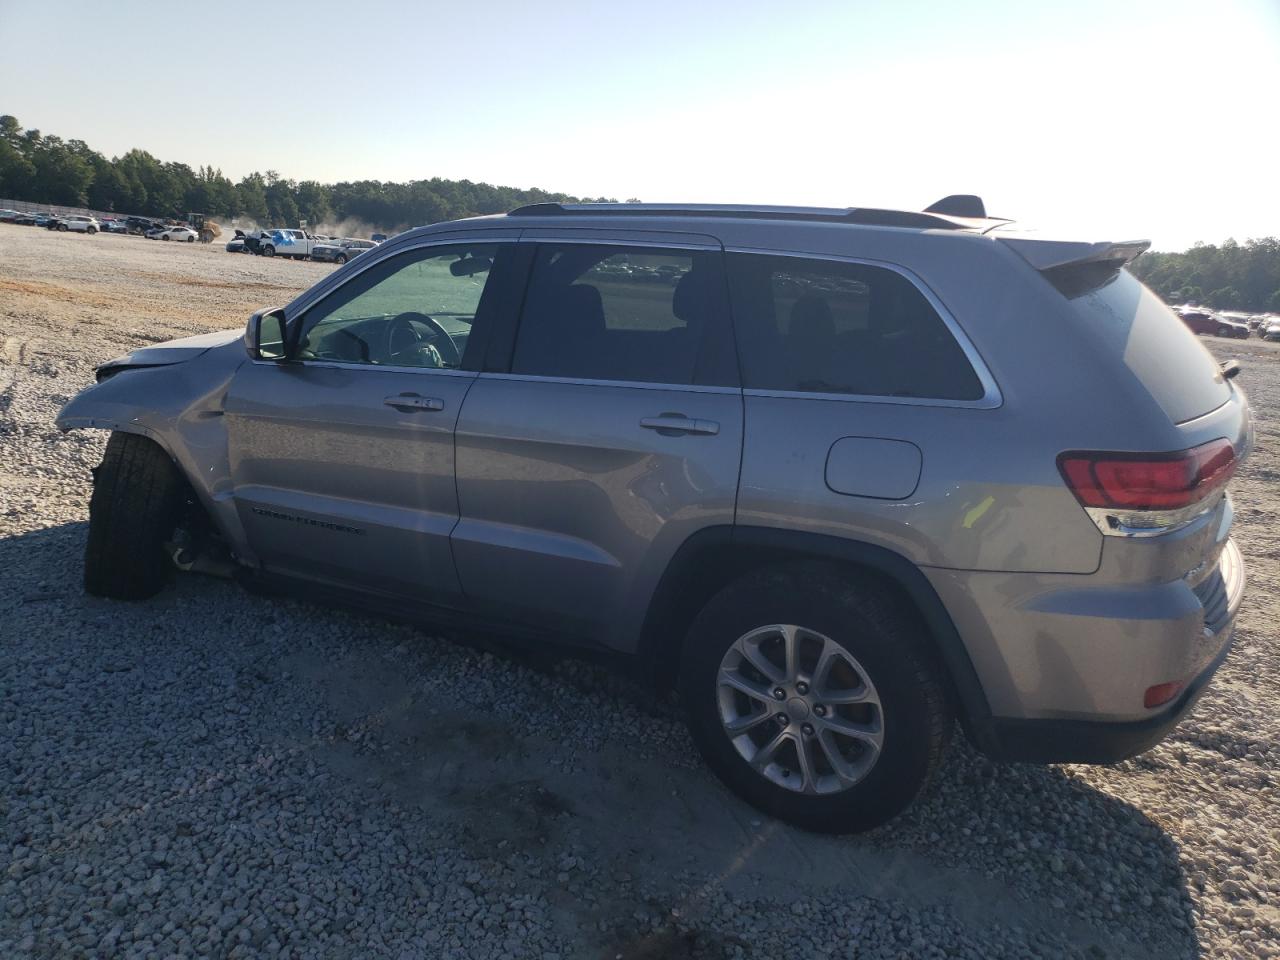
(1134, 481)
(1162, 693)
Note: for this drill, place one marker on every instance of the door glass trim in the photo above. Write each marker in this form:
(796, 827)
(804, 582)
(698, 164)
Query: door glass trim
(991, 397)
(388, 368)
(581, 381)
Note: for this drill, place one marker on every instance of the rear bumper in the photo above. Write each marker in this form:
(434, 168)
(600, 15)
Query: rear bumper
(1065, 667)
(1088, 741)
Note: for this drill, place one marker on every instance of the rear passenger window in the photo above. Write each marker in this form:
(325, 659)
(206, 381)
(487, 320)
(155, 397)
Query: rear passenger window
(825, 326)
(623, 313)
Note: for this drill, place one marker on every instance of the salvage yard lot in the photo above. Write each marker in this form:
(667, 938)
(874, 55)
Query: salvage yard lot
(218, 773)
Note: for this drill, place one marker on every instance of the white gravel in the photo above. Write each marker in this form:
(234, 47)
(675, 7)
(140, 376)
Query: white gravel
(213, 773)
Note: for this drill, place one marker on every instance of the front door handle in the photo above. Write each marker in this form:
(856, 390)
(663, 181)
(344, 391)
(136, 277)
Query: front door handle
(673, 424)
(412, 401)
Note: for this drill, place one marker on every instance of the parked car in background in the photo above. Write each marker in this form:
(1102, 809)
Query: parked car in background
(78, 224)
(42, 219)
(1271, 331)
(8, 216)
(138, 226)
(1206, 322)
(25, 220)
(236, 244)
(115, 226)
(340, 251)
(185, 234)
(817, 473)
(297, 244)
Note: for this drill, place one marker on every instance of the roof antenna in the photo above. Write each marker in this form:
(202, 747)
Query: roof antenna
(959, 205)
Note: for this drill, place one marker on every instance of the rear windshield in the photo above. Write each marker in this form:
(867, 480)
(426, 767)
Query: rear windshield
(1169, 360)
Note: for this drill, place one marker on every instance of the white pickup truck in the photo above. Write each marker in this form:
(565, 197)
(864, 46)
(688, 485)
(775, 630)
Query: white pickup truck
(288, 243)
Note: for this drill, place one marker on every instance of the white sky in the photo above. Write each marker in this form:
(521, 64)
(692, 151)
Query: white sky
(1113, 119)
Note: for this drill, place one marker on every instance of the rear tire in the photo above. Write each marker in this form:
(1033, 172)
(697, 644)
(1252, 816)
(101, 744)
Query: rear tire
(165, 238)
(62, 227)
(135, 507)
(879, 646)
(268, 251)
(1224, 332)
(339, 259)
(92, 230)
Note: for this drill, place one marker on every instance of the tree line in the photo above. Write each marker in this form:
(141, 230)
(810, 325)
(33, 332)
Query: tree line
(1234, 276)
(46, 169)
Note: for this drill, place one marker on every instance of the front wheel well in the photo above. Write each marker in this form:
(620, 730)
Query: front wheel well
(710, 562)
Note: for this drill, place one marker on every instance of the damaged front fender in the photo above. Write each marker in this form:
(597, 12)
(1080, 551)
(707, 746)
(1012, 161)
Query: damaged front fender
(178, 404)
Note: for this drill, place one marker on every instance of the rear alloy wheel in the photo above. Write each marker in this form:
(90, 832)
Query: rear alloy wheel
(191, 239)
(339, 259)
(814, 696)
(268, 251)
(165, 238)
(92, 230)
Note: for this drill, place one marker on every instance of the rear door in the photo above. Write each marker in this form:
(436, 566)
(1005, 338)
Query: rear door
(342, 462)
(606, 429)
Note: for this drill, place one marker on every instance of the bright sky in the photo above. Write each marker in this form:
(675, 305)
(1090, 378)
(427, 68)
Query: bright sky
(1114, 118)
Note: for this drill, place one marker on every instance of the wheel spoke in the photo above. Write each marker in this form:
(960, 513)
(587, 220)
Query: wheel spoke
(766, 753)
(835, 759)
(855, 731)
(808, 775)
(731, 678)
(831, 653)
(845, 697)
(751, 652)
(791, 644)
(749, 722)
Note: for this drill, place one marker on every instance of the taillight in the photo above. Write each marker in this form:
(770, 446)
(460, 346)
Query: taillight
(1140, 482)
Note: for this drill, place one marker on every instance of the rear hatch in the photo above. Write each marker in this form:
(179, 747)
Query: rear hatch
(1167, 359)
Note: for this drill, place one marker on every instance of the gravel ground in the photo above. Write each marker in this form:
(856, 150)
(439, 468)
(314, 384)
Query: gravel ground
(216, 773)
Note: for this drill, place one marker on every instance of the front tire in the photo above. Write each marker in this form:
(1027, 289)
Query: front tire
(135, 507)
(339, 259)
(62, 228)
(165, 238)
(862, 719)
(191, 239)
(92, 230)
(268, 251)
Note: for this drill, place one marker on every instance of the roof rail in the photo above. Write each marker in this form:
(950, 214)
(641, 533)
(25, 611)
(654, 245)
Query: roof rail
(869, 216)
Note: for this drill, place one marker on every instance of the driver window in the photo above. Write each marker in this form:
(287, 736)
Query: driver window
(414, 310)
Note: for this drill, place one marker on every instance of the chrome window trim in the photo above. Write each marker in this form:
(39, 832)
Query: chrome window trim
(339, 365)
(638, 384)
(613, 242)
(991, 398)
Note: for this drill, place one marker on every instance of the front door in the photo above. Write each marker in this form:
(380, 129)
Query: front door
(342, 460)
(610, 431)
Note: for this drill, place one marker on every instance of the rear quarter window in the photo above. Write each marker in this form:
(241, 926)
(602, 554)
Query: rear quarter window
(1165, 356)
(827, 326)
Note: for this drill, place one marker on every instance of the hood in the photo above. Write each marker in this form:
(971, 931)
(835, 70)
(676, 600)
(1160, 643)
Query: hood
(171, 351)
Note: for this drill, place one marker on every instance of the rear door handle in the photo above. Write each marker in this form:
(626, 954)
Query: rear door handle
(412, 401)
(671, 424)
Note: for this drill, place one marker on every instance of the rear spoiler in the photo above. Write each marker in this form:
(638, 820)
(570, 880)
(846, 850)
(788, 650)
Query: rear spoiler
(1076, 267)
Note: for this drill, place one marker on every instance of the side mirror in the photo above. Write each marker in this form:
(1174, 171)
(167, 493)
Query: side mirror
(264, 337)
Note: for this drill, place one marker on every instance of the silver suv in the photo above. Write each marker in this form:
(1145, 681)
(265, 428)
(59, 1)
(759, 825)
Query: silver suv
(840, 476)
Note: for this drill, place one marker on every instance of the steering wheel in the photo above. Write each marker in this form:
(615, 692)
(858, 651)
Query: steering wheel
(403, 338)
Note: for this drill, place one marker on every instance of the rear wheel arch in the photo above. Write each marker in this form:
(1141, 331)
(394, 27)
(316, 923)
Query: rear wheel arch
(714, 557)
